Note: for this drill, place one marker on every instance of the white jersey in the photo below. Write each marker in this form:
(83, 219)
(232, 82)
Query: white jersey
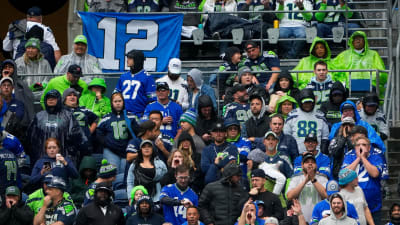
(48, 37)
(309, 195)
(177, 90)
(295, 18)
(377, 121)
(300, 123)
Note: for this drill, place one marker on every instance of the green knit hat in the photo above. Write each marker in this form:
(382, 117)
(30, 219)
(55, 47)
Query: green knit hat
(33, 42)
(189, 116)
(137, 188)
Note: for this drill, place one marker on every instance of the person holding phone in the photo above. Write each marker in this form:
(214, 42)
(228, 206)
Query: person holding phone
(49, 161)
(369, 168)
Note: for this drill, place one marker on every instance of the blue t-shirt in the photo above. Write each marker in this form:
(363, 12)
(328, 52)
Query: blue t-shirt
(171, 109)
(323, 164)
(138, 91)
(370, 186)
(177, 214)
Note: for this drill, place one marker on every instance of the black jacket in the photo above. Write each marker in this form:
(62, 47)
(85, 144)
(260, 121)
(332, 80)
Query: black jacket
(204, 126)
(273, 206)
(338, 147)
(92, 215)
(19, 214)
(221, 202)
(257, 126)
(331, 110)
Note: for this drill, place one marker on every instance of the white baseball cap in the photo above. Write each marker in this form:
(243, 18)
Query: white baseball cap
(175, 66)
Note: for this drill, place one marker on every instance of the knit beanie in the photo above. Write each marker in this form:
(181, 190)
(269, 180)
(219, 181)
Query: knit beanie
(137, 188)
(189, 116)
(346, 176)
(107, 170)
(33, 42)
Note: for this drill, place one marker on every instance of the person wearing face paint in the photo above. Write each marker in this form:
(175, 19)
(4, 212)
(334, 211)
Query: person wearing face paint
(79, 56)
(371, 113)
(360, 56)
(137, 86)
(369, 168)
(101, 210)
(321, 83)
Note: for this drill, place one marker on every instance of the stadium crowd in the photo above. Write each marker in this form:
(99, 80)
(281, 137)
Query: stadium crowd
(286, 149)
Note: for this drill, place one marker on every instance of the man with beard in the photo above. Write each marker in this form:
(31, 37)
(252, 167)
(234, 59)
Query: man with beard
(308, 186)
(239, 108)
(394, 214)
(137, 87)
(145, 214)
(371, 114)
(219, 148)
(272, 204)
(258, 123)
(338, 212)
(101, 210)
(177, 85)
(176, 198)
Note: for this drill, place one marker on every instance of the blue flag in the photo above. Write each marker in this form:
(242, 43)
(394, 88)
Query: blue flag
(111, 35)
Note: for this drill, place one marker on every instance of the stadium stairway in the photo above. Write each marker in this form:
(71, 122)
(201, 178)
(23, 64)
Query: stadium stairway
(393, 155)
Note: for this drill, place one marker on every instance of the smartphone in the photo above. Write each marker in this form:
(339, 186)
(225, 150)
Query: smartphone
(47, 165)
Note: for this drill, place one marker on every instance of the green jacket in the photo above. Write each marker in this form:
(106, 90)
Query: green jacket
(368, 59)
(35, 200)
(80, 185)
(279, 103)
(61, 83)
(89, 100)
(307, 63)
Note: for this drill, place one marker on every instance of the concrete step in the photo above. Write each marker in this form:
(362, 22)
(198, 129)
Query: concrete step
(394, 157)
(393, 145)
(394, 132)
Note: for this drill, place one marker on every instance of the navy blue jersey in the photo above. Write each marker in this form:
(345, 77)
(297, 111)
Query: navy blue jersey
(177, 214)
(211, 151)
(64, 212)
(8, 170)
(143, 6)
(85, 118)
(286, 167)
(114, 132)
(238, 111)
(138, 90)
(264, 62)
(171, 109)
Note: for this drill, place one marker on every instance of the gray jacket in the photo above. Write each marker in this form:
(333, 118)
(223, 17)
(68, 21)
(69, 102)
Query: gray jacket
(344, 219)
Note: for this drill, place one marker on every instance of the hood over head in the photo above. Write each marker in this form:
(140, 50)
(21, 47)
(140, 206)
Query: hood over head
(15, 74)
(229, 52)
(359, 33)
(231, 169)
(138, 60)
(197, 76)
(263, 106)
(53, 109)
(328, 50)
(282, 100)
(144, 198)
(336, 88)
(185, 136)
(287, 76)
(356, 114)
(306, 94)
(335, 195)
(205, 101)
(88, 162)
(98, 82)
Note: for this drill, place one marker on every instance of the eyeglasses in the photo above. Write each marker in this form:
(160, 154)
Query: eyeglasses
(183, 177)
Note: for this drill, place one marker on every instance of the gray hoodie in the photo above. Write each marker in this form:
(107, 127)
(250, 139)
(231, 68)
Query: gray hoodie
(344, 219)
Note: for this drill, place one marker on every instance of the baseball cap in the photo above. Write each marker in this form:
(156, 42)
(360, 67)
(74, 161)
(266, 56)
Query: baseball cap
(106, 186)
(259, 202)
(307, 156)
(75, 70)
(34, 11)
(258, 173)
(13, 190)
(146, 142)
(80, 39)
(162, 86)
(332, 187)
(175, 66)
(307, 100)
(219, 126)
(6, 79)
(271, 133)
(346, 176)
(311, 137)
(348, 120)
(347, 106)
